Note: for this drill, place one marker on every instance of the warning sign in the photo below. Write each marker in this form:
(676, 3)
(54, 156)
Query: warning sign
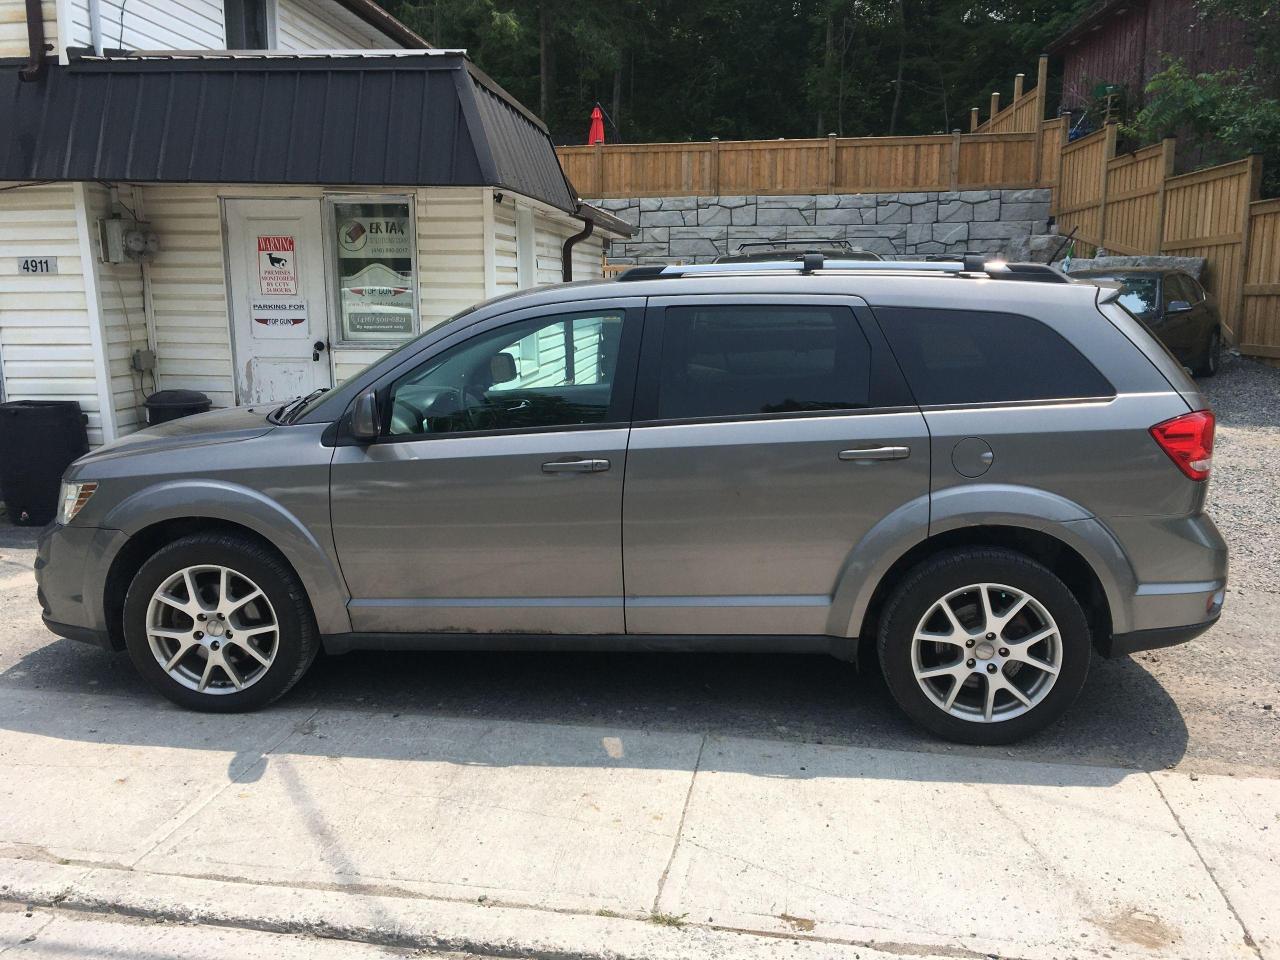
(277, 269)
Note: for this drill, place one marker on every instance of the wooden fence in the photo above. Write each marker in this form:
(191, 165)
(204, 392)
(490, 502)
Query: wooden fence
(1134, 204)
(822, 165)
(1024, 114)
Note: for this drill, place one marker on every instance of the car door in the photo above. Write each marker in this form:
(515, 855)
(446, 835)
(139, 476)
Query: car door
(492, 500)
(1179, 325)
(770, 436)
(1202, 319)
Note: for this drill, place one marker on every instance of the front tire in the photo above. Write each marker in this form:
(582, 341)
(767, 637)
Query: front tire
(219, 623)
(984, 645)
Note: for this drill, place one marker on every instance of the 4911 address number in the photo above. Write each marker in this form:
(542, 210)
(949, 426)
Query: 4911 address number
(38, 264)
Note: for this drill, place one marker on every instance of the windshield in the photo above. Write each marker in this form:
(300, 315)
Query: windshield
(1138, 294)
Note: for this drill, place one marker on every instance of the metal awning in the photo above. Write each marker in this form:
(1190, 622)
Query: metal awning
(403, 118)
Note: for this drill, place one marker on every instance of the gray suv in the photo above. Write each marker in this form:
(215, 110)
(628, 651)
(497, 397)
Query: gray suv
(983, 480)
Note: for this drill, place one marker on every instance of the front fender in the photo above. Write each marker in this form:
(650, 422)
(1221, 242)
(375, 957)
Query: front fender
(233, 503)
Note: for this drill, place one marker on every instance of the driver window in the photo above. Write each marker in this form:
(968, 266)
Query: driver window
(546, 372)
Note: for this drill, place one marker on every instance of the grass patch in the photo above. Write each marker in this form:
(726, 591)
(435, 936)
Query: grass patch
(668, 919)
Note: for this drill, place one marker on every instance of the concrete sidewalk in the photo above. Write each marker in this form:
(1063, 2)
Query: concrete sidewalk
(538, 839)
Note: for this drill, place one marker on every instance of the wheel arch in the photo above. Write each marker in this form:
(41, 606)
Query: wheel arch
(1056, 553)
(156, 516)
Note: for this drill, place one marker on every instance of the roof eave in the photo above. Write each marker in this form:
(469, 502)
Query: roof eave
(380, 19)
(604, 220)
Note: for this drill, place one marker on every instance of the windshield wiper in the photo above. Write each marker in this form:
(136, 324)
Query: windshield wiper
(286, 413)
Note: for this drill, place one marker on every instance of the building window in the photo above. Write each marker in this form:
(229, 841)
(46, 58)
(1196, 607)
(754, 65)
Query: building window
(376, 269)
(248, 24)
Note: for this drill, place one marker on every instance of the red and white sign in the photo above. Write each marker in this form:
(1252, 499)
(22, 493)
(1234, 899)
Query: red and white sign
(277, 267)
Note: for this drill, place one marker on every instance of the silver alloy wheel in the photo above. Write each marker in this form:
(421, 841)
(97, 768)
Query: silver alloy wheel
(212, 629)
(986, 653)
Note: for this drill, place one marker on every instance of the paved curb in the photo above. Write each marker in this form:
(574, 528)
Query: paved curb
(497, 931)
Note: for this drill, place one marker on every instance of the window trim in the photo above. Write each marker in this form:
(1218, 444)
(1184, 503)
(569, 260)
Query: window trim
(333, 265)
(883, 364)
(621, 402)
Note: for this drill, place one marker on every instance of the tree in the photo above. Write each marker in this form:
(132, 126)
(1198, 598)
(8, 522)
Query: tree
(748, 68)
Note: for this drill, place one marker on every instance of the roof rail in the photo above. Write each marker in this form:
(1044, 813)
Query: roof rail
(970, 263)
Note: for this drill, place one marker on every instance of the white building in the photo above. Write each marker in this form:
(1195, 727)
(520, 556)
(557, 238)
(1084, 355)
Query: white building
(261, 223)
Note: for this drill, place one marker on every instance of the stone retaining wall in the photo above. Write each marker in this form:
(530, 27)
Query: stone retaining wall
(698, 229)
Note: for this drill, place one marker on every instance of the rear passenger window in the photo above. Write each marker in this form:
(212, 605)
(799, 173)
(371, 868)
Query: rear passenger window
(738, 360)
(963, 356)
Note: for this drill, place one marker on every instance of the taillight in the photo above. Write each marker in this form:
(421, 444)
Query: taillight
(1188, 440)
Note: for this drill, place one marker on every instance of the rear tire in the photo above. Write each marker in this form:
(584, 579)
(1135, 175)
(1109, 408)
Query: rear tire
(988, 671)
(219, 623)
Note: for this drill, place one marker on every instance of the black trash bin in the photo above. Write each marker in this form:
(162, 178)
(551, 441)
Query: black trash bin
(38, 441)
(166, 405)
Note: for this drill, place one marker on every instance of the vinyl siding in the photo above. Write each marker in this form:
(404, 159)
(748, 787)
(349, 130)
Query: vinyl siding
(13, 27)
(151, 24)
(46, 340)
(505, 248)
(123, 317)
(551, 233)
(313, 25)
(188, 291)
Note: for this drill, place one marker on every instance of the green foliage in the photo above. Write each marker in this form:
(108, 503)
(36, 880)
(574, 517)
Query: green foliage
(744, 69)
(1261, 21)
(1221, 116)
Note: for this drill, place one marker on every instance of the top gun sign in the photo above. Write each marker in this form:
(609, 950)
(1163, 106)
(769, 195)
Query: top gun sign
(277, 267)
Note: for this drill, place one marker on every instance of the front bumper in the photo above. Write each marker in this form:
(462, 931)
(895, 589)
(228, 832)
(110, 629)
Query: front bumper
(71, 572)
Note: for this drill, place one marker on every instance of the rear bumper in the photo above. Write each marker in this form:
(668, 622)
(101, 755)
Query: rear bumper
(1123, 644)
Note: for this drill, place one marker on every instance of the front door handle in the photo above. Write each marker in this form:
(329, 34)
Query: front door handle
(576, 466)
(876, 453)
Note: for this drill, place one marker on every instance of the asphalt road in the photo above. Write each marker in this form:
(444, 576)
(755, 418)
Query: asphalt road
(1212, 705)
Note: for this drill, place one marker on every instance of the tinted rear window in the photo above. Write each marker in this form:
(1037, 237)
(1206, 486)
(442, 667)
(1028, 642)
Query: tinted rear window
(962, 356)
(741, 360)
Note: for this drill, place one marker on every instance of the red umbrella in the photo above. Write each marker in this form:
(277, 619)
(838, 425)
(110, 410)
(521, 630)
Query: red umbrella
(596, 133)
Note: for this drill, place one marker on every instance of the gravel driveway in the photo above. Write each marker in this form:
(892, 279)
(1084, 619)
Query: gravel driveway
(1244, 495)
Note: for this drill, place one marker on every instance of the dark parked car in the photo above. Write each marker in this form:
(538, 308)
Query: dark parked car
(754, 251)
(1175, 307)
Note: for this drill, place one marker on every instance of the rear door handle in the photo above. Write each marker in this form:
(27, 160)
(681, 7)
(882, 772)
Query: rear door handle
(576, 466)
(876, 453)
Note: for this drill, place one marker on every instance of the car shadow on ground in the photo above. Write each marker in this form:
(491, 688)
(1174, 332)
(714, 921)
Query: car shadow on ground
(1123, 721)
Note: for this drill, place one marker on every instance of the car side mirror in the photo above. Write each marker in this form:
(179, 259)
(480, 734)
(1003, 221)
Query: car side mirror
(364, 417)
(1178, 306)
(502, 368)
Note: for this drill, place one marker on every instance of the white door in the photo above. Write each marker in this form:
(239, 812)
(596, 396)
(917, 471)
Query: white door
(279, 300)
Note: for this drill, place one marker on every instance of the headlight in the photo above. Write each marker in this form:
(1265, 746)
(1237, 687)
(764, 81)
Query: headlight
(72, 499)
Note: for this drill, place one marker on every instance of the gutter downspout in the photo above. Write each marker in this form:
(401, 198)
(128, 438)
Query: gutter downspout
(35, 42)
(566, 252)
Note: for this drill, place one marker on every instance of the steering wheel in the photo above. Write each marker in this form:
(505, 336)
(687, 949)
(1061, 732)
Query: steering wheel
(473, 403)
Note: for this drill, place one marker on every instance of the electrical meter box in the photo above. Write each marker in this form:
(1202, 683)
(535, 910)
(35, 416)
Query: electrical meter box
(121, 240)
